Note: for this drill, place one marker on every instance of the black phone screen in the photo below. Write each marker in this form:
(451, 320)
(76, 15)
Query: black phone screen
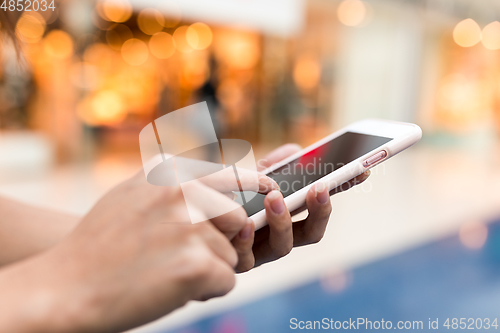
(316, 164)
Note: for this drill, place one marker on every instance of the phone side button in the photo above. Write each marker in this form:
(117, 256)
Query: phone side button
(375, 158)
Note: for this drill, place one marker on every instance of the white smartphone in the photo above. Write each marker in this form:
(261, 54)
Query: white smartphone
(334, 160)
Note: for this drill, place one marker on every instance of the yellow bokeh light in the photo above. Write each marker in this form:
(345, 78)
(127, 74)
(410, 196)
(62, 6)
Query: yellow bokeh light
(307, 72)
(116, 10)
(162, 45)
(467, 33)
(199, 36)
(473, 235)
(135, 52)
(104, 108)
(351, 12)
(238, 49)
(491, 36)
(180, 39)
(117, 35)
(58, 44)
(30, 27)
(150, 21)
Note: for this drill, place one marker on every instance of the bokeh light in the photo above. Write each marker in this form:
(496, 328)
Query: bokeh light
(100, 55)
(335, 281)
(199, 36)
(150, 21)
(473, 235)
(307, 72)
(84, 75)
(103, 108)
(238, 49)
(135, 52)
(467, 33)
(115, 10)
(58, 44)
(30, 27)
(351, 12)
(117, 35)
(162, 45)
(491, 36)
(180, 39)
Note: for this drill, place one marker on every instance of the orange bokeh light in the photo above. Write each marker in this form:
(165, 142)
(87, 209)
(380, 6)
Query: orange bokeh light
(162, 45)
(58, 44)
(103, 108)
(491, 36)
(117, 35)
(467, 33)
(30, 27)
(199, 36)
(351, 12)
(135, 52)
(116, 10)
(150, 21)
(238, 49)
(307, 72)
(180, 39)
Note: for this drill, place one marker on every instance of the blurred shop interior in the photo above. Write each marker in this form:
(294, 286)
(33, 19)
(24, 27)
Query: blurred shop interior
(92, 74)
(96, 72)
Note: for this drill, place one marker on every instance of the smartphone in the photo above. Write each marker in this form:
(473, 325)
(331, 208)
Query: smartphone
(334, 160)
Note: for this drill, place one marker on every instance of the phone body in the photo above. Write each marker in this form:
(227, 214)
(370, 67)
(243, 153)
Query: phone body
(334, 160)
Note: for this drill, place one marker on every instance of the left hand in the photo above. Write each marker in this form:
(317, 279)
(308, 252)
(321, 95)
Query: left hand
(277, 239)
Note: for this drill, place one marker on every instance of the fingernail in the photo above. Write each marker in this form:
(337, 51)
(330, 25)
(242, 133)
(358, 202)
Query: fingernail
(321, 193)
(247, 230)
(277, 204)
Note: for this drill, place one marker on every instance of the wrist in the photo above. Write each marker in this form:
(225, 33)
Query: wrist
(36, 299)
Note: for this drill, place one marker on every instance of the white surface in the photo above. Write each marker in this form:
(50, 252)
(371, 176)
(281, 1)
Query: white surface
(275, 17)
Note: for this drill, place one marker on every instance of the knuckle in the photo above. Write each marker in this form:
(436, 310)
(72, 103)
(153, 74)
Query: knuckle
(200, 264)
(246, 265)
(282, 251)
(283, 226)
(315, 238)
(240, 217)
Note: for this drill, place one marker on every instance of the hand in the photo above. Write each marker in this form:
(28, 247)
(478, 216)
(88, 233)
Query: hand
(129, 261)
(277, 239)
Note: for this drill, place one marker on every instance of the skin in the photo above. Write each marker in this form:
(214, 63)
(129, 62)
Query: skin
(134, 258)
(278, 238)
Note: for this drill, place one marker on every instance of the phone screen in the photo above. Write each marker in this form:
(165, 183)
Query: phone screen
(316, 164)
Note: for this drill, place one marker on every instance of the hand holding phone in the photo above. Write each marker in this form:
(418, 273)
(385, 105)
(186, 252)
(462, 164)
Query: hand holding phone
(333, 161)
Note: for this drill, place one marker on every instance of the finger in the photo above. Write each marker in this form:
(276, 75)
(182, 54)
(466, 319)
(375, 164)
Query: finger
(217, 280)
(312, 229)
(278, 155)
(344, 187)
(217, 242)
(232, 222)
(242, 243)
(280, 240)
(236, 179)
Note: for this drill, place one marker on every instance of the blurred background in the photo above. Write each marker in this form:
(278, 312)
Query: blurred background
(92, 74)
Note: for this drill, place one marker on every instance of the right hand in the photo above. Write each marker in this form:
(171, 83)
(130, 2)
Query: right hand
(130, 261)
